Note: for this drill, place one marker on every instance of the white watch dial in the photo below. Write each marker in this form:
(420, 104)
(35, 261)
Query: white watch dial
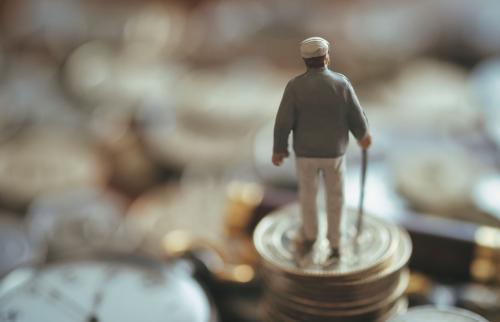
(104, 291)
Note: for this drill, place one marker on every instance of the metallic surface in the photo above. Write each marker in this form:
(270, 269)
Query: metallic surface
(364, 285)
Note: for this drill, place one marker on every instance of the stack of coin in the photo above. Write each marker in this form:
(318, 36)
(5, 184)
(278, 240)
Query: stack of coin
(431, 314)
(366, 284)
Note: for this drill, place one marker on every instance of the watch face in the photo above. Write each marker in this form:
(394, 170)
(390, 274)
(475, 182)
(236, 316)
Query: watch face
(104, 291)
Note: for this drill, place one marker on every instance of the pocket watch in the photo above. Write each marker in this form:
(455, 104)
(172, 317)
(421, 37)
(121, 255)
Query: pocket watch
(105, 289)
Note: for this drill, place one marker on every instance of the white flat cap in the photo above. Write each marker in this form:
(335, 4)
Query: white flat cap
(314, 47)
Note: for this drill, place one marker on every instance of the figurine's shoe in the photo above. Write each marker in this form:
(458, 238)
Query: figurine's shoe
(333, 257)
(303, 247)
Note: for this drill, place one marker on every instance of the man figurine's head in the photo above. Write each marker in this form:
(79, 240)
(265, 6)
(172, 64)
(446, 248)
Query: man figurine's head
(314, 51)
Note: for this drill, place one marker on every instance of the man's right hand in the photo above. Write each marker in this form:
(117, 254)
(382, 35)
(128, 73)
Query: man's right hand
(365, 142)
(279, 157)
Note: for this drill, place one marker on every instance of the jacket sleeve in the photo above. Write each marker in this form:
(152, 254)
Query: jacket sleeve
(284, 121)
(356, 118)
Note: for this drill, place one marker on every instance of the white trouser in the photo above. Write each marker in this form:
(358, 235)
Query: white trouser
(308, 171)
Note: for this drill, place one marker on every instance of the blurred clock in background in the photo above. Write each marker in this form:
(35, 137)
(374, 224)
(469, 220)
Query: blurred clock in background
(105, 290)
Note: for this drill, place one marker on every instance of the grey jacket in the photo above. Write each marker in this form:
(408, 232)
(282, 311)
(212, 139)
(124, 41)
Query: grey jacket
(320, 107)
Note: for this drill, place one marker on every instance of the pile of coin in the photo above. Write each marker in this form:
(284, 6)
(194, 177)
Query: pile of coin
(366, 284)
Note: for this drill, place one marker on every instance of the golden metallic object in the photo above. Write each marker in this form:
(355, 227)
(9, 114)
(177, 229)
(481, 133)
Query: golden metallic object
(486, 264)
(419, 284)
(210, 220)
(366, 283)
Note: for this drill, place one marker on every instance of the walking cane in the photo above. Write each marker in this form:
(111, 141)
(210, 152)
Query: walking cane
(359, 223)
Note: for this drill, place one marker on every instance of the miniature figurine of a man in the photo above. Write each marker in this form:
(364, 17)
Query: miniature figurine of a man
(320, 107)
